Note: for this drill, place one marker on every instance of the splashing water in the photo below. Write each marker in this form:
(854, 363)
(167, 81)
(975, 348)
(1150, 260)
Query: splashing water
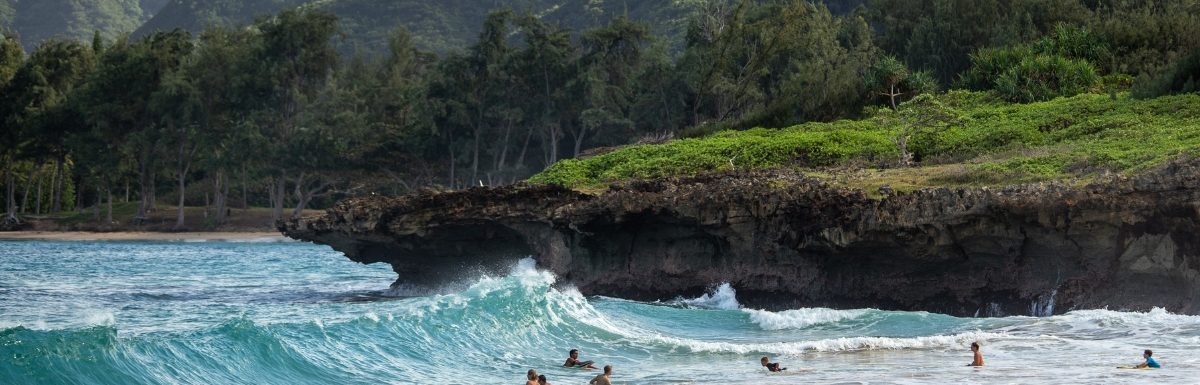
(291, 313)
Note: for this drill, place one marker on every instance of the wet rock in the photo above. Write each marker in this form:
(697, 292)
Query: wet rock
(784, 240)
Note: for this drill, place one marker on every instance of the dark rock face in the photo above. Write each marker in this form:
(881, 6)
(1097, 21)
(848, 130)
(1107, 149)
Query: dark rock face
(784, 241)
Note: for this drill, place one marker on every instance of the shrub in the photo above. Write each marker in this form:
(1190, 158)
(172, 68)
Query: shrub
(1045, 77)
(1180, 78)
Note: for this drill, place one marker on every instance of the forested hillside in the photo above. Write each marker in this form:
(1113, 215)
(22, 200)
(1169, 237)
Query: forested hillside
(438, 26)
(38, 20)
(277, 115)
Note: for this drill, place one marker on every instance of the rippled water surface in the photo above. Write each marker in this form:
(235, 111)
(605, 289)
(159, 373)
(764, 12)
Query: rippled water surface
(293, 313)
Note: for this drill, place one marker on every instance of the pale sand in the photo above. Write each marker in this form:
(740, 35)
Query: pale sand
(139, 236)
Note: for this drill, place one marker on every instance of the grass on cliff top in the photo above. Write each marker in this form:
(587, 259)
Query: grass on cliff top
(990, 143)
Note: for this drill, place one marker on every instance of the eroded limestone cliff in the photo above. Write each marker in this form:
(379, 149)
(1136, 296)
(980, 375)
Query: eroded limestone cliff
(784, 240)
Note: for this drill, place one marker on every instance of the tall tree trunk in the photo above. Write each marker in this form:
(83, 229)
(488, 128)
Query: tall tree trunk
(579, 141)
(183, 165)
(109, 218)
(144, 188)
(99, 202)
(502, 157)
(524, 146)
(219, 195)
(28, 185)
(152, 187)
(56, 200)
(126, 191)
(450, 151)
(279, 190)
(475, 156)
(79, 196)
(245, 199)
(304, 196)
(37, 206)
(182, 195)
(10, 196)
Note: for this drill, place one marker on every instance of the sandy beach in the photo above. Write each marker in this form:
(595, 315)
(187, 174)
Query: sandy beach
(141, 236)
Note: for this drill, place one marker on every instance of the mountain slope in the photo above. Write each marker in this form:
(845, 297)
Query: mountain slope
(37, 20)
(441, 26)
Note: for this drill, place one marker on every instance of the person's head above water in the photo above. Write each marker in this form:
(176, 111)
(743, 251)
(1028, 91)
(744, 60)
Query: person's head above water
(574, 353)
(541, 379)
(607, 369)
(974, 346)
(532, 375)
(1148, 353)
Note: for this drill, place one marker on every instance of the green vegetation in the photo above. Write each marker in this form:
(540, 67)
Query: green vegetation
(437, 26)
(40, 20)
(990, 142)
(328, 99)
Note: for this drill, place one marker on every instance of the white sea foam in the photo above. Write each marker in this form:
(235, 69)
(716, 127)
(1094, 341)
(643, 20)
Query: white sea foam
(102, 317)
(801, 318)
(1105, 317)
(823, 345)
(724, 297)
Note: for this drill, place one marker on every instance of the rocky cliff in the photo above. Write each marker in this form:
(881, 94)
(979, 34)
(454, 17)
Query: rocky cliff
(784, 240)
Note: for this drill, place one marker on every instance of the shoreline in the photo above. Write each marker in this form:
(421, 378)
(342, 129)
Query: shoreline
(140, 236)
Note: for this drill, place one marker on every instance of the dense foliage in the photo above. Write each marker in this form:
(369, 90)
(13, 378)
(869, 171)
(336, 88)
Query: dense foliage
(999, 142)
(41, 20)
(317, 102)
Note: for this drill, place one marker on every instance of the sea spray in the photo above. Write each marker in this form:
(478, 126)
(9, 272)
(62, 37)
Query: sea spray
(724, 297)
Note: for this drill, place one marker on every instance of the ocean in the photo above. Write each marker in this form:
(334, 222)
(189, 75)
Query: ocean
(296, 313)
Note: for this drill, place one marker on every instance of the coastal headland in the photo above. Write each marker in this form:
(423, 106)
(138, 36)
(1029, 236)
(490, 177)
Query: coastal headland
(786, 240)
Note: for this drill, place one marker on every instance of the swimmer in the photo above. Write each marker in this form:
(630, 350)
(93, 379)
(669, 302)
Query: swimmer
(1150, 362)
(574, 362)
(603, 379)
(771, 366)
(978, 361)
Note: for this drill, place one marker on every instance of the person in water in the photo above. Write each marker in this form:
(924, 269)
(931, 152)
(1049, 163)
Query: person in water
(542, 380)
(772, 366)
(531, 378)
(603, 379)
(978, 361)
(1150, 362)
(574, 362)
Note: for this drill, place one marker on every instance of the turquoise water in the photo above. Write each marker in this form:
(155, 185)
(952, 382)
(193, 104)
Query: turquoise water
(294, 313)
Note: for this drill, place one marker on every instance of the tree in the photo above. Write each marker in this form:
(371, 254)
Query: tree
(891, 79)
(296, 57)
(923, 114)
(612, 57)
(545, 63)
(39, 90)
(119, 101)
(12, 56)
(176, 104)
(228, 92)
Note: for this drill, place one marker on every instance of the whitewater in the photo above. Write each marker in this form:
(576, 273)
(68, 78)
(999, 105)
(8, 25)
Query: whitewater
(294, 313)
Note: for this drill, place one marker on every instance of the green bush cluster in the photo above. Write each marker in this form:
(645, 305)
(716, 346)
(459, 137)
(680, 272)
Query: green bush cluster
(1181, 78)
(999, 142)
(1063, 63)
(1045, 77)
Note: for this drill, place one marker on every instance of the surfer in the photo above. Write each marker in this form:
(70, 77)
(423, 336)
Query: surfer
(771, 366)
(1150, 362)
(978, 361)
(542, 380)
(603, 378)
(574, 362)
(531, 378)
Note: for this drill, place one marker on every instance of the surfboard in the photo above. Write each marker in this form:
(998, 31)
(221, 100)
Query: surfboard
(1133, 367)
(583, 364)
